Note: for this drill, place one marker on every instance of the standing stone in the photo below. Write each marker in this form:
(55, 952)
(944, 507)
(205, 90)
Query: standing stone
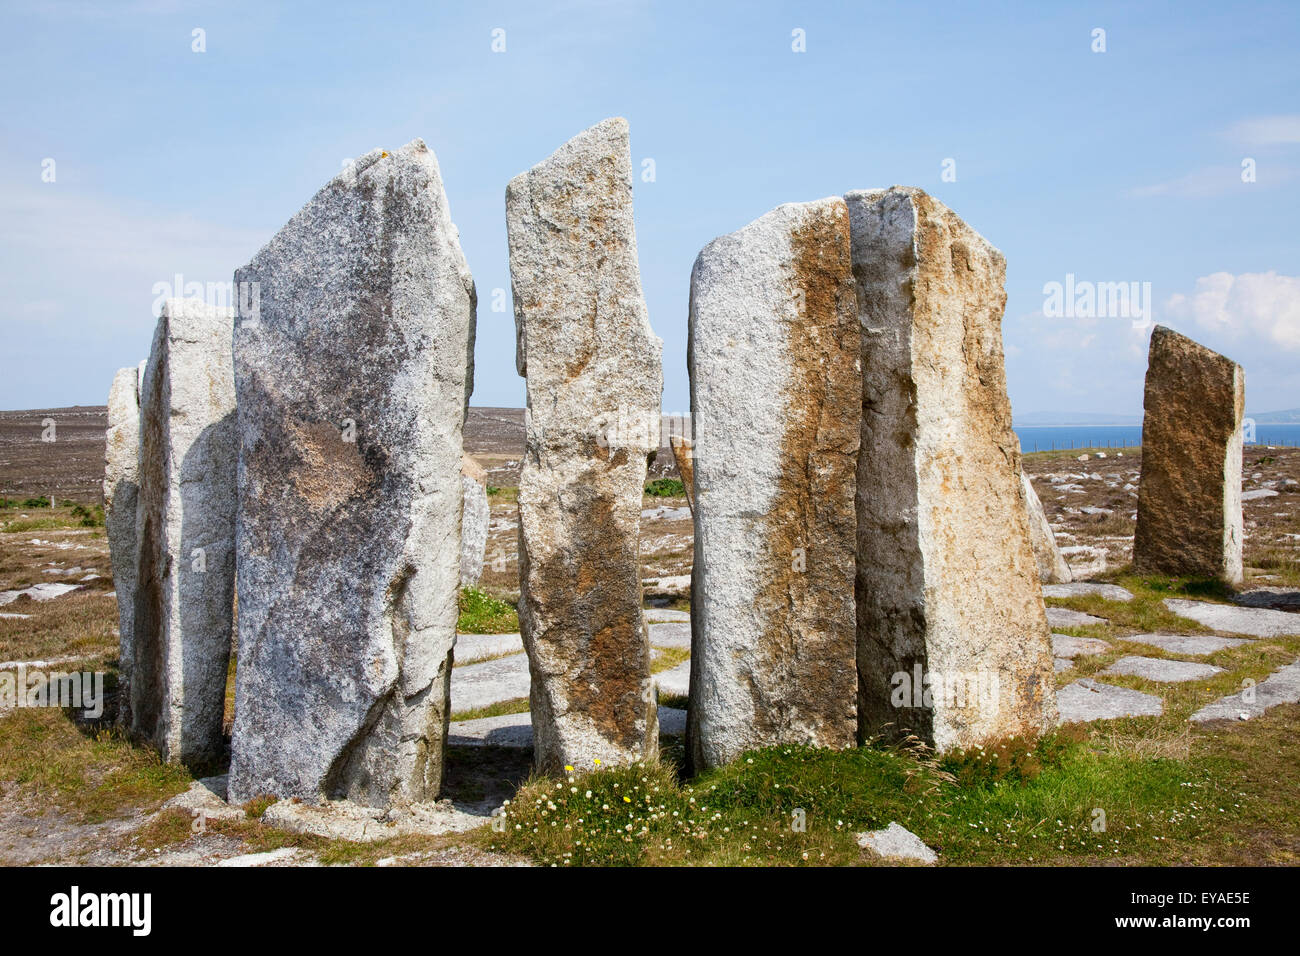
(1052, 568)
(185, 525)
(121, 484)
(953, 641)
(594, 381)
(776, 394)
(353, 380)
(1189, 518)
(684, 455)
(475, 515)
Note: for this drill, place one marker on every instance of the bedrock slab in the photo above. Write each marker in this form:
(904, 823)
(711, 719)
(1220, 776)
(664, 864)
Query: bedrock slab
(516, 730)
(1111, 592)
(1281, 687)
(476, 647)
(1162, 670)
(491, 682)
(1194, 644)
(1189, 519)
(1065, 617)
(1257, 622)
(1067, 645)
(121, 488)
(353, 378)
(592, 366)
(185, 529)
(947, 581)
(776, 396)
(1086, 700)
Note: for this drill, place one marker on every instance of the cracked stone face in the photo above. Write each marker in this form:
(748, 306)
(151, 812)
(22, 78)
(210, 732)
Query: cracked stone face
(594, 382)
(1189, 519)
(184, 526)
(353, 378)
(775, 401)
(947, 582)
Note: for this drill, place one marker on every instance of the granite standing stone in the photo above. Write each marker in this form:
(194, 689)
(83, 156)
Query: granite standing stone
(684, 456)
(1189, 496)
(353, 381)
(1052, 568)
(952, 635)
(121, 485)
(776, 402)
(594, 382)
(475, 516)
(185, 526)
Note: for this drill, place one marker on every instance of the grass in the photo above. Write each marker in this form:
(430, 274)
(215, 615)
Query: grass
(480, 613)
(503, 494)
(516, 705)
(1128, 451)
(665, 488)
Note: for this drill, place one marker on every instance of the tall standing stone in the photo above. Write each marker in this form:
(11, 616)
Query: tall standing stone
(475, 516)
(776, 394)
(594, 382)
(185, 525)
(121, 485)
(953, 640)
(1189, 519)
(353, 381)
(1052, 567)
(684, 456)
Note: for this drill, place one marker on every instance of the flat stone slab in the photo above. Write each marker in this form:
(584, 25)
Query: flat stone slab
(206, 797)
(344, 820)
(896, 842)
(1161, 670)
(675, 635)
(478, 647)
(656, 615)
(481, 685)
(1257, 494)
(1086, 700)
(1061, 664)
(1064, 617)
(1188, 643)
(1111, 592)
(1270, 597)
(675, 681)
(1067, 645)
(1258, 622)
(516, 730)
(1281, 687)
(45, 591)
(280, 857)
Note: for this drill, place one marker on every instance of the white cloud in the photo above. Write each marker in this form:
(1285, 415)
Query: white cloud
(1267, 130)
(1261, 305)
(1216, 181)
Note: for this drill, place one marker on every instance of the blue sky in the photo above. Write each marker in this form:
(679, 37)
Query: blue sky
(1115, 166)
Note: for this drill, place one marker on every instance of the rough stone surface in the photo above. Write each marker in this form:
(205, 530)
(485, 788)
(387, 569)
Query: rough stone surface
(1052, 567)
(353, 381)
(358, 823)
(1281, 687)
(1064, 617)
(594, 381)
(477, 647)
(1066, 645)
(480, 685)
(1111, 592)
(1161, 670)
(1187, 644)
(1086, 700)
(1257, 622)
(475, 515)
(676, 681)
(671, 635)
(775, 401)
(121, 485)
(185, 526)
(896, 842)
(684, 455)
(1189, 497)
(947, 581)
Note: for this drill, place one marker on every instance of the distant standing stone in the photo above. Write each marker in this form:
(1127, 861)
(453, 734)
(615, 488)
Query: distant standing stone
(353, 380)
(776, 396)
(947, 582)
(185, 525)
(592, 365)
(684, 455)
(1189, 518)
(121, 476)
(475, 517)
(1052, 568)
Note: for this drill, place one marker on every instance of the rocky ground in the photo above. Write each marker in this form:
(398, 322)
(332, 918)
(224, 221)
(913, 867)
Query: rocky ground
(71, 791)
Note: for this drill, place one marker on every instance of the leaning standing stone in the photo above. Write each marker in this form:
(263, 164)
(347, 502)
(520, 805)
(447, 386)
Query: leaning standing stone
(1052, 567)
(1189, 519)
(185, 526)
(594, 381)
(475, 515)
(952, 635)
(776, 395)
(121, 475)
(353, 379)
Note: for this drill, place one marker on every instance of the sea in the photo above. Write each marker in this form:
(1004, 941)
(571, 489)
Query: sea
(1053, 437)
